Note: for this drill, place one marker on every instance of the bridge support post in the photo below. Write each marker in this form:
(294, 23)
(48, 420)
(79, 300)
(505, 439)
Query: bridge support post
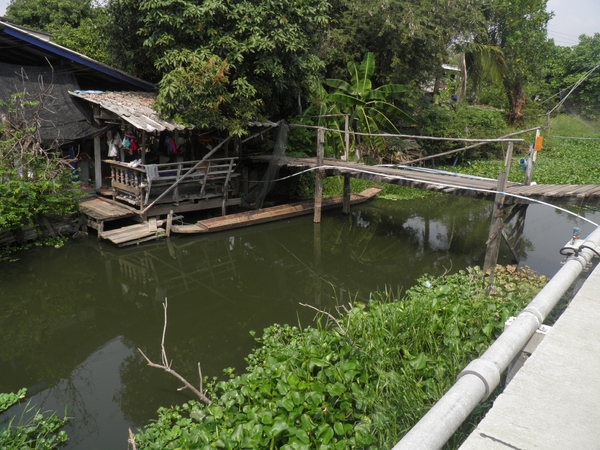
(320, 175)
(493, 242)
(494, 239)
(347, 193)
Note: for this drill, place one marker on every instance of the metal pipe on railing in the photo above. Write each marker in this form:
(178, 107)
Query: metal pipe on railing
(477, 381)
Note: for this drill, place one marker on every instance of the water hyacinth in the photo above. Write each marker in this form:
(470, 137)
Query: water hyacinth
(359, 381)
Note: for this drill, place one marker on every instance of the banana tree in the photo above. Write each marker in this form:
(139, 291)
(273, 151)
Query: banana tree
(357, 103)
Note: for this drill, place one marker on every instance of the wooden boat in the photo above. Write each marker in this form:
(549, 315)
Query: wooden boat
(271, 214)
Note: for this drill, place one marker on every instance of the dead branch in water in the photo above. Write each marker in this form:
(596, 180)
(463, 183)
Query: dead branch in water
(166, 366)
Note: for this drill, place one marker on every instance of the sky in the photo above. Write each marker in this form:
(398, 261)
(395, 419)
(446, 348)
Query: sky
(571, 19)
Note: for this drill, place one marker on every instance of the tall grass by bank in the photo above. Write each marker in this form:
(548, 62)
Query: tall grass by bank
(360, 381)
(33, 430)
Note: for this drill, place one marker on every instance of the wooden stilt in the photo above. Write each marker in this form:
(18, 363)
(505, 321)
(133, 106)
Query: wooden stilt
(497, 224)
(319, 178)
(97, 163)
(347, 192)
(493, 242)
(169, 223)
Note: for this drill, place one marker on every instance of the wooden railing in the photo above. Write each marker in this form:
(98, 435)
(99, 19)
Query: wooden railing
(138, 185)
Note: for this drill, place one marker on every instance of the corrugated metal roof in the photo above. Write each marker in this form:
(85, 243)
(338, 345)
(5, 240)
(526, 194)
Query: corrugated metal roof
(133, 107)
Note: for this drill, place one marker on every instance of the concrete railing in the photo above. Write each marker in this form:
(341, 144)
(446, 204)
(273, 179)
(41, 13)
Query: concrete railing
(477, 381)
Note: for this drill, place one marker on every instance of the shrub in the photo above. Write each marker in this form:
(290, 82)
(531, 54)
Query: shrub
(461, 121)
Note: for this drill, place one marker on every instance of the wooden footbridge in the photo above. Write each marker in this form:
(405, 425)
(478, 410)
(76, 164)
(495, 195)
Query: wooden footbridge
(454, 183)
(147, 192)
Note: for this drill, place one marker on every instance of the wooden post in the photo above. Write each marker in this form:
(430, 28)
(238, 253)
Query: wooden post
(347, 193)
(529, 169)
(97, 163)
(169, 223)
(531, 162)
(494, 239)
(493, 242)
(319, 178)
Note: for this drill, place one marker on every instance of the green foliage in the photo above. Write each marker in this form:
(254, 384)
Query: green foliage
(566, 66)
(222, 63)
(461, 121)
(409, 38)
(368, 109)
(34, 181)
(35, 432)
(45, 14)
(86, 38)
(518, 30)
(76, 24)
(359, 383)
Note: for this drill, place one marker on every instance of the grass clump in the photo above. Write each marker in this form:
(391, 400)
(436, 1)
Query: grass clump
(33, 431)
(358, 381)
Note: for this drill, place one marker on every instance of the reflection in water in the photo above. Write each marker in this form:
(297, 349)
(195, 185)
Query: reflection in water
(71, 318)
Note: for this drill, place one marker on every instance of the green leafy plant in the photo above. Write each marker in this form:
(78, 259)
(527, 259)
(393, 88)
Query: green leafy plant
(34, 430)
(368, 110)
(360, 380)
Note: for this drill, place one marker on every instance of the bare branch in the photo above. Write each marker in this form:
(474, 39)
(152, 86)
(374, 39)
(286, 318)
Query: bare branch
(326, 314)
(166, 366)
(131, 441)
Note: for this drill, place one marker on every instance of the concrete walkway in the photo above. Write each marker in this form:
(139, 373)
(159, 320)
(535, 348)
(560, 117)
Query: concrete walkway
(553, 402)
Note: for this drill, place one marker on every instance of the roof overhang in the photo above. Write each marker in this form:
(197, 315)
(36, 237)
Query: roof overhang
(134, 108)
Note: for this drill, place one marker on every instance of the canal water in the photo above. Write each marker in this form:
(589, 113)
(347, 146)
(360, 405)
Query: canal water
(72, 318)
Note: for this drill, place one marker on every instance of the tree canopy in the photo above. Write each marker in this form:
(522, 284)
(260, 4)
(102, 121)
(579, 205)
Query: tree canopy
(223, 63)
(44, 15)
(566, 66)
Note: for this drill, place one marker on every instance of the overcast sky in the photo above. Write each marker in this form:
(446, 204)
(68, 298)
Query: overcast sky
(571, 18)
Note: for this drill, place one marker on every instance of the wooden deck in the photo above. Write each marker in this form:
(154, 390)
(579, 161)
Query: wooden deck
(581, 195)
(271, 214)
(134, 234)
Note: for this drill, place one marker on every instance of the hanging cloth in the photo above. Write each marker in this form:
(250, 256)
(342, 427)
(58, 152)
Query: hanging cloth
(171, 146)
(113, 146)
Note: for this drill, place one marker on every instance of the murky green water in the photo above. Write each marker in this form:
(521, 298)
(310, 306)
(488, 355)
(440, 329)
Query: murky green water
(72, 318)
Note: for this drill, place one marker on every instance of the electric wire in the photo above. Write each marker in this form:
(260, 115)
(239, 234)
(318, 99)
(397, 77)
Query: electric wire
(400, 177)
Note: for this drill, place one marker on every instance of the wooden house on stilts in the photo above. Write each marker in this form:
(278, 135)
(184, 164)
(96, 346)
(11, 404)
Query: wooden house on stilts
(138, 166)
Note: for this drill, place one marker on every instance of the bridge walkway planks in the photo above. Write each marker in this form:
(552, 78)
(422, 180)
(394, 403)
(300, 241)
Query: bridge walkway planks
(581, 195)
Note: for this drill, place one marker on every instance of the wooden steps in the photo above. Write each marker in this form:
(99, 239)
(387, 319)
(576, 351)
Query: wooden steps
(248, 218)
